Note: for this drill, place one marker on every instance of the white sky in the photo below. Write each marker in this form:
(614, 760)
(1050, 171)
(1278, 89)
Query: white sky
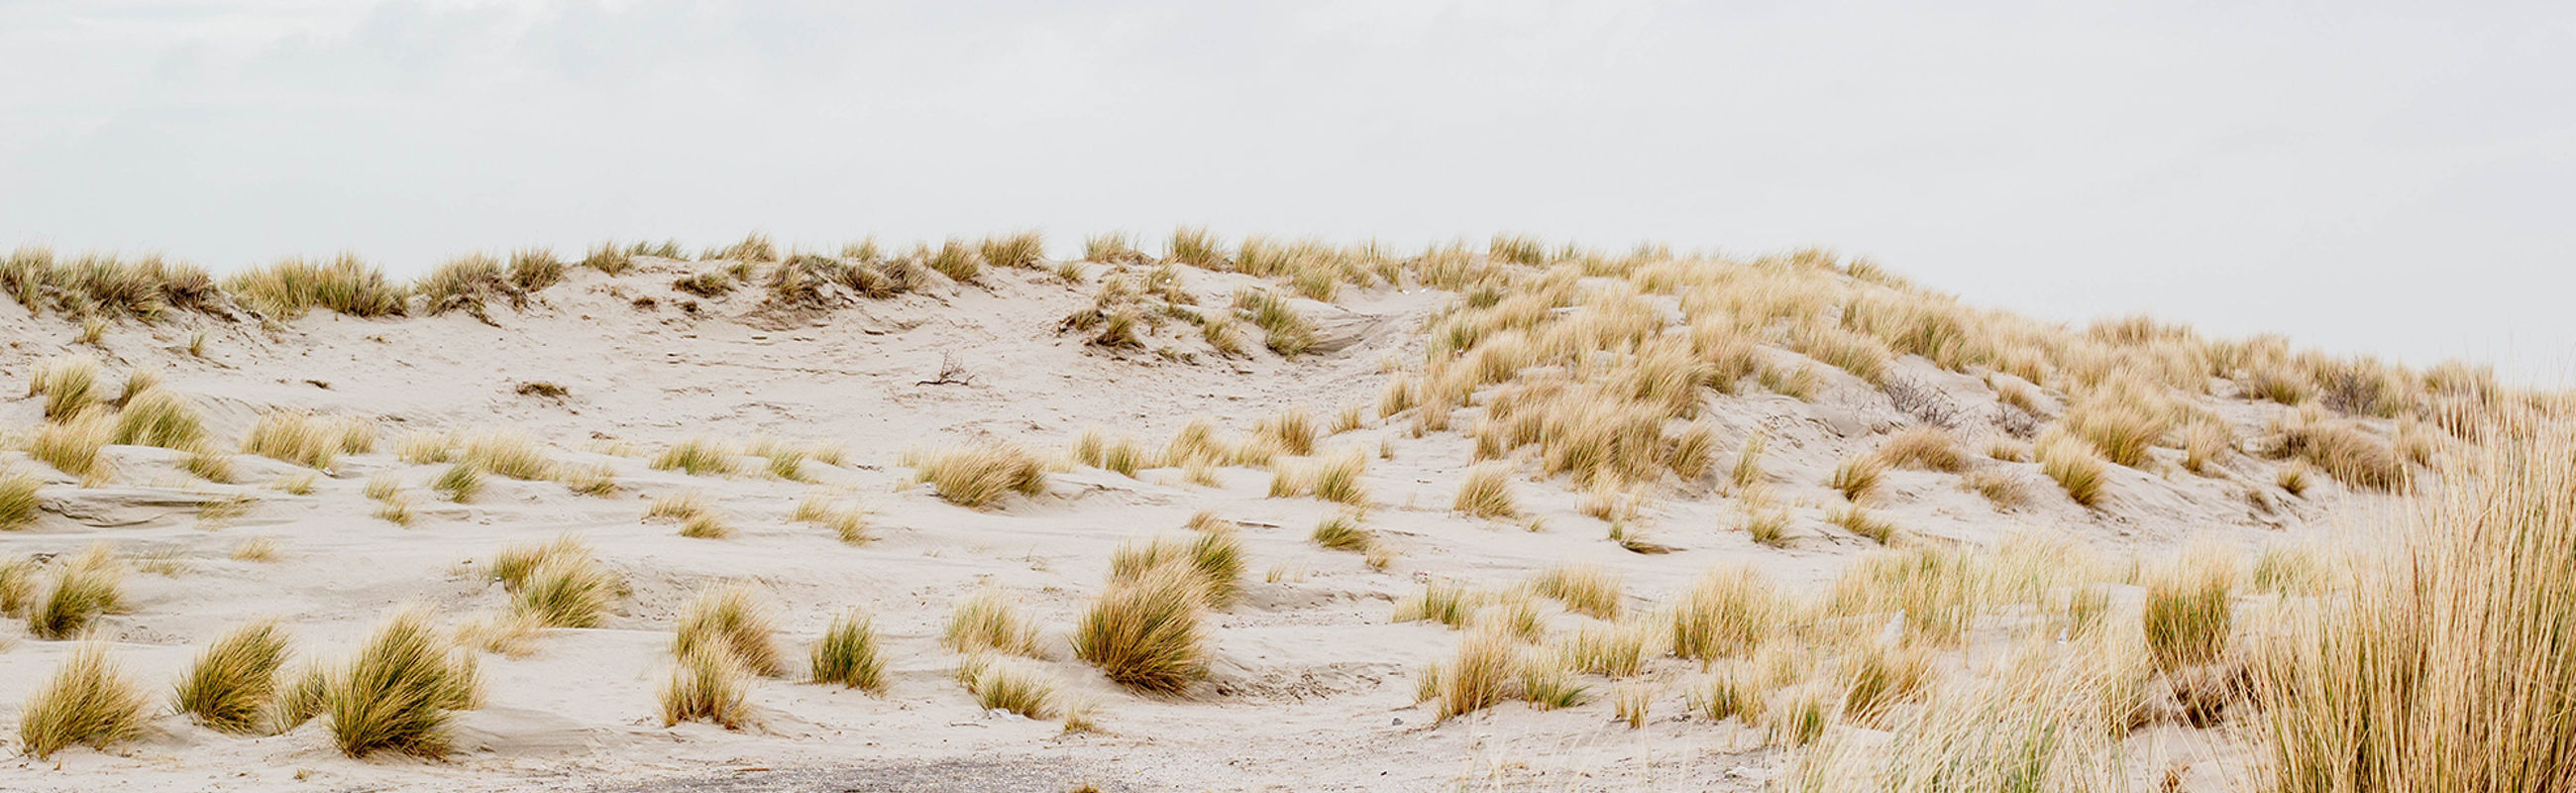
(2366, 177)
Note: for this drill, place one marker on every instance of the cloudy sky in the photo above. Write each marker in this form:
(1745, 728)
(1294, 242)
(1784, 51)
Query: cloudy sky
(2367, 177)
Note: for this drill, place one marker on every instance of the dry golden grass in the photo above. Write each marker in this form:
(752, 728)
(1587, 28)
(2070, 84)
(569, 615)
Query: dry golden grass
(210, 465)
(291, 287)
(2073, 464)
(18, 504)
(1729, 613)
(1608, 649)
(977, 476)
(731, 618)
(1008, 685)
(262, 549)
(67, 387)
(232, 685)
(1729, 692)
(88, 701)
(1630, 701)
(1446, 601)
(1284, 331)
(707, 684)
(2000, 487)
(461, 482)
(1855, 477)
(697, 457)
(1863, 356)
(508, 453)
(2121, 419)
(2189, 609)
(1143, 632)
(1924, 447)
(2342, 450)
(1860, 521)
(74, 445)
(1476, 677)
(1588, 589)
(1486, 492)
(400, 691)
(2294, 477)
(1546, 682)
(988, 622)
(2448, 667)
(566, 591)
(1337, 478)
(1023, 250)
(308, 440)
(1216, 557)
(1747, 471)
(84, 587)
(2206, 442)
(847, 654)
(395, 510)
(1880, 675)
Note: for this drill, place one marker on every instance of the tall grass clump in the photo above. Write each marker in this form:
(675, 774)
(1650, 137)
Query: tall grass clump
(847, 654)
(987, 621)
(1478, 675)
(18, 505)
(567, 591)
(976, 476)
(1022, 250)
(697, 457)
(1144, 633)
(75, 446)
(1486, 492)
(84, 587)
(1588, 589)
(233, 683)
(88, 701)
(308, 440)
(510, 454)
(158, 417)
(290, 288)
(1284, 331)
(2075, 466)
(2449, 668)
(731, 618)
(707, 684)
(401, 690)
(1729, 613)
(2188, 612)
(69, 386)
(1216, 557)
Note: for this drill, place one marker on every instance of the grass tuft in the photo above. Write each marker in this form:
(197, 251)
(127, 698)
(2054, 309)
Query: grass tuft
(88, 701)
(847, 654)
(232, 685)
(1486, 492)
(977, 476)
(731, 619)
(1144, 633)
(399, 692)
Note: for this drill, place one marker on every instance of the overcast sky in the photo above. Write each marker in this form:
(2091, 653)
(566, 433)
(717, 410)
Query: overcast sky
(2366, 177)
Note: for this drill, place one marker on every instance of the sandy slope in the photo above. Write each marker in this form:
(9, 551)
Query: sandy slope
(1313, 687)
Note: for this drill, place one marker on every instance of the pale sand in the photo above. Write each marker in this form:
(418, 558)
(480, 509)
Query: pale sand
(1313, 688)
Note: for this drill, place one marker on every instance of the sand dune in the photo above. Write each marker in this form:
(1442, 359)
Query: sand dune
(1310, 684)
